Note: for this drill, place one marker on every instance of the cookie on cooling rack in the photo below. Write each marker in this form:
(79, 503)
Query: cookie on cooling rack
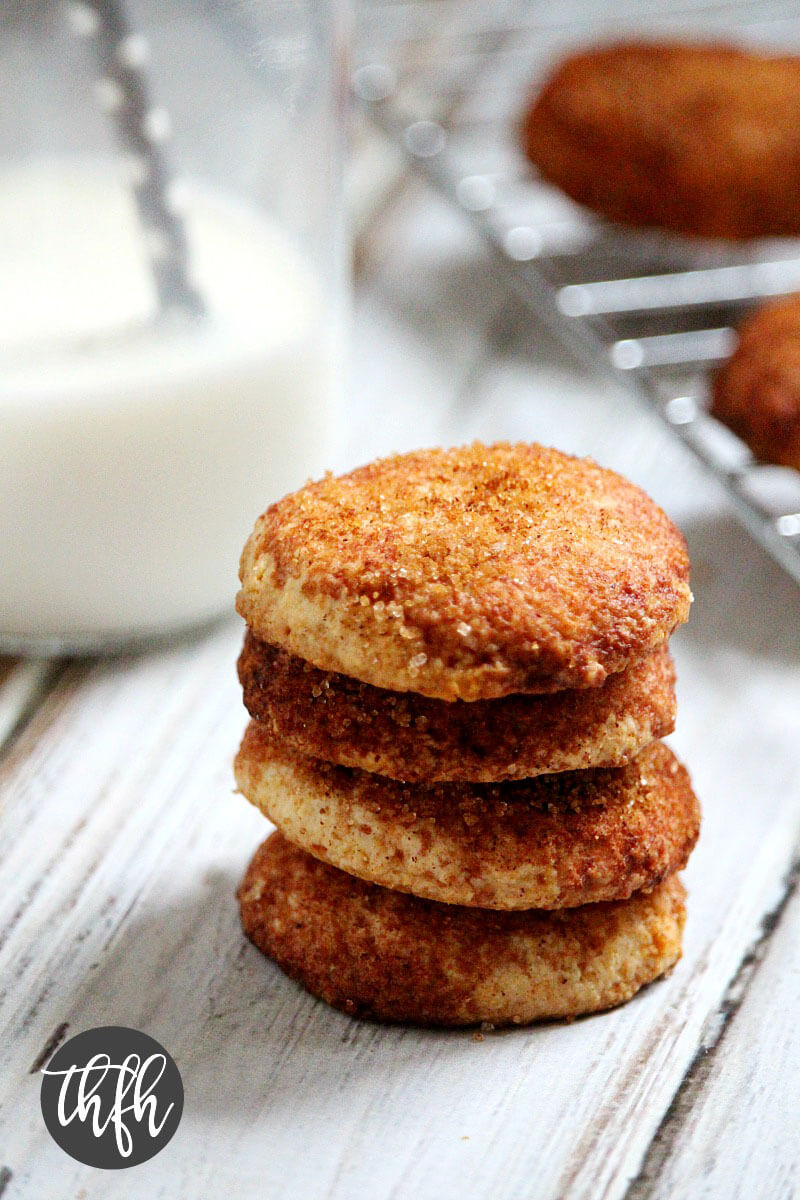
(757, 392)
(699, 139)
(382, 954)
(467, 574)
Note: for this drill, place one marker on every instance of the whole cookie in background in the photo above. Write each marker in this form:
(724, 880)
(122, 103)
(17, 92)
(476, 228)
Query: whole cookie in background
(757, 392)
(411, 737)
(467, 574)
(375, 953)
(699, 139)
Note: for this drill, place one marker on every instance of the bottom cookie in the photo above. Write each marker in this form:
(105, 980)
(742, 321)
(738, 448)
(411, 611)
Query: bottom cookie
(375, 953)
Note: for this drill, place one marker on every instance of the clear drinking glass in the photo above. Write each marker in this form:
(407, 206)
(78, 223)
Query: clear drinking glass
(171, 300)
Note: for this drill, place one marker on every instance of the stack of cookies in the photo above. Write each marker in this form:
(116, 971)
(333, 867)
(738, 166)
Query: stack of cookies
(457, 672)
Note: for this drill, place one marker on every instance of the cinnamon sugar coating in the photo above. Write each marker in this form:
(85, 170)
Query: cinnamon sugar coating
(411, 737)
(701, 139)
(375, 953)
(467, 574)
(757, 392)
(556, 841)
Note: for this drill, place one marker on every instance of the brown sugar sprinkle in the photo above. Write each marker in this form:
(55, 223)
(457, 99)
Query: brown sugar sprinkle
(473, 572)
(415, 738)
(550, 842)
(382, 954)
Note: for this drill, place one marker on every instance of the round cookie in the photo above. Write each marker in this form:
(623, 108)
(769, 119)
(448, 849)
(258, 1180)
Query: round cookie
(467, 574)
(411, 737)
(556, 841)
(375, 953)
(701, 139)
(757, 392)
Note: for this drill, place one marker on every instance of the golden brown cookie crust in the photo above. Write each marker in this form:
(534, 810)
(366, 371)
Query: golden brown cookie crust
(700, 139)
(467, 574)
(407, 736)
(757, 392)
(380, 954)
(557, 841)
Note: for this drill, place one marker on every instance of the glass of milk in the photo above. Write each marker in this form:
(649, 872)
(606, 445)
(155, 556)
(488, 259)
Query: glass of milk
(171, 301)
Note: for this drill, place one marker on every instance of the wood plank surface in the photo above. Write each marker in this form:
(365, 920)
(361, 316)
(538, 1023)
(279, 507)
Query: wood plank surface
(22, 683)
(735, 1127)
(121, 846)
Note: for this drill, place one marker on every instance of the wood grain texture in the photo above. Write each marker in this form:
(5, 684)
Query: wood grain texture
(122, 846)
(734, 1128)
(22, 684)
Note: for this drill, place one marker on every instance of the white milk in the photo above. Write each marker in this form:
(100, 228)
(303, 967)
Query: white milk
(133, 465)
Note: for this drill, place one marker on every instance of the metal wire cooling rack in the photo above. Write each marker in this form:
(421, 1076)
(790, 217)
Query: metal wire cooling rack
(448, 80)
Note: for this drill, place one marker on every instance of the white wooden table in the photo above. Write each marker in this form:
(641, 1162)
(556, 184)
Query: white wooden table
(121, 843)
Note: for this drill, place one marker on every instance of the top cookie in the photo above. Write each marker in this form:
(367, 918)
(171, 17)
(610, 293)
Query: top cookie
(467, 574)
(700, 139)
